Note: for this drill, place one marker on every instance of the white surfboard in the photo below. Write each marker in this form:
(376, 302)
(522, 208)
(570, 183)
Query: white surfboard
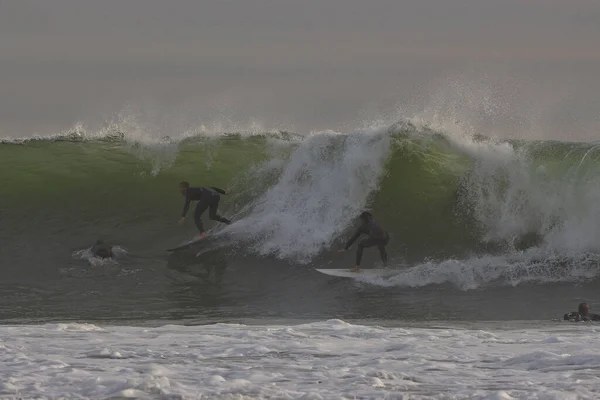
(210, 238)
(370, 272)
(188, 244)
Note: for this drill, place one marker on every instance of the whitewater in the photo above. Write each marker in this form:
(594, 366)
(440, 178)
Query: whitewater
(322, 360)
(492, 241)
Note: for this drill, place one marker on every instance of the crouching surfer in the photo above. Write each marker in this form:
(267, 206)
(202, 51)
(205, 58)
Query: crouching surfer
(582, 314)
(207, 197)
(377, 237)
(102, 250)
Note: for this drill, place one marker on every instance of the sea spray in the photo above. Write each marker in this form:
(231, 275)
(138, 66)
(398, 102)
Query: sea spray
(324, 185)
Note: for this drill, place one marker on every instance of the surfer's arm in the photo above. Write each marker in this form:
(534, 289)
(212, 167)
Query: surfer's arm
(353, 238)
(216, 189)
(186, 206)
(594, 317)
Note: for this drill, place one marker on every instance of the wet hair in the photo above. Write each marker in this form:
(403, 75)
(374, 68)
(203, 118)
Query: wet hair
(365, 216)
(583, 308)
(184, 184)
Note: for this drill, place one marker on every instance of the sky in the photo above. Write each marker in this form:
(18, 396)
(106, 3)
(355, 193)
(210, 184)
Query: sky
(526, 68)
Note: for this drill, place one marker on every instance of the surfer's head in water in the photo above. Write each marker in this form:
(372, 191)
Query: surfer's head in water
(102, 250)
(183, 187)
(582, 314)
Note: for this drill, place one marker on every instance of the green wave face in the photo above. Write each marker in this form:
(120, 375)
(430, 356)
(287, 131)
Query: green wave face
(438, 195)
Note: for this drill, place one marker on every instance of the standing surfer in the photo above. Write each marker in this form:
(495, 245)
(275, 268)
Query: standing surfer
(206, 197)
(377, 237)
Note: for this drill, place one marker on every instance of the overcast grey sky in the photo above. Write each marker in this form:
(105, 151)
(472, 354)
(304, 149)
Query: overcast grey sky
(302, 64)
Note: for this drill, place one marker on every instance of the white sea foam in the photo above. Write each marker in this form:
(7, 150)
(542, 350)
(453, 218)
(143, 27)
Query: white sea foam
(510, 195)
(86, 254)
(535, 265)
(324, 360)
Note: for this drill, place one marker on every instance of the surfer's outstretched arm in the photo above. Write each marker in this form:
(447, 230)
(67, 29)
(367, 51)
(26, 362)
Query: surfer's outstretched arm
(353, 238)
(216, 189)
(186, 206)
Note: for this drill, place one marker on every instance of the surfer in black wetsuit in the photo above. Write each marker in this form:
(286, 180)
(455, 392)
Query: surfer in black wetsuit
(206, 197)
(102, 250)
(582, 314)
(377, 237)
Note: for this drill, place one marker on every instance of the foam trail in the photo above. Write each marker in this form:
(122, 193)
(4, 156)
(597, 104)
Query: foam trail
(536, 265)
(322, 188)
(86, 254)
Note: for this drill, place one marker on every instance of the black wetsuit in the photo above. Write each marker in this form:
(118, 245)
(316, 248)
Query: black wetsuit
(206, 197)
(577, 317)
(377, 237)
(102, 250)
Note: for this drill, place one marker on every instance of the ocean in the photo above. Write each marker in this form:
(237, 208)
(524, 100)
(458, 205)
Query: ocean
(492, 241)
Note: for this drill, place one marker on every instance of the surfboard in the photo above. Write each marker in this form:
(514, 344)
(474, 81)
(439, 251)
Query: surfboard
(188, 244)
(212, 239)
(346, 273)
(209, 236)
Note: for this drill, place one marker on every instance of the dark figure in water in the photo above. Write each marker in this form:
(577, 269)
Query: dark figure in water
(377, 237)
(207, 198)
(102, 250)
(582, 314)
